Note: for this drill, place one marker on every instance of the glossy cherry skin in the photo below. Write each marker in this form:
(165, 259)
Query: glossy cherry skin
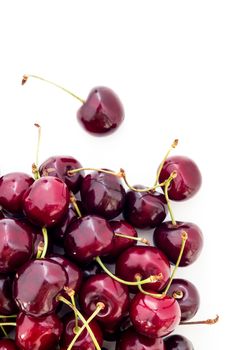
(187, 296)
(188, 179)
(15, 244)
(84, 341)
(103, 194)
(131, 340)
(74, 273)
(145, 261)
(46, 201)
(114, 295)
(58, 166)
(58, 231)
(7, 344)
(178, 342)
(145, 210)
(38, 333)
(12, 188)
(88, 237)
(102, 112)
(167, 237)
(7, 304)
(36, 286)
(154, 317)
(120, 244)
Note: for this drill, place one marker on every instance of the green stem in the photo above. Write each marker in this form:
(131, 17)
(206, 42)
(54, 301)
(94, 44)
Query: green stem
(75, 205)
(45, 235)
(13, 324)
(139, 239)
(3, 331)
(10, 316)
(26, 76)
(174, 144)
(167, 184)
(75, 314)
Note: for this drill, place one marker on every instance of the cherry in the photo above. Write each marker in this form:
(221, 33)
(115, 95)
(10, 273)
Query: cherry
(15, 244)
(84, 340)
(36, 286)
(37, 333)
(154, 317)
(46, 201)
(145, 261)
(58, 166)
(178, 342)
(187, 296)
(57, 232)
(88, 237)
(102, 194)
(167, 238)
(114, 295)
(130, 340)
(12, 188)
(7, 344)
(188, 179)
(144, 209)
(7, 304)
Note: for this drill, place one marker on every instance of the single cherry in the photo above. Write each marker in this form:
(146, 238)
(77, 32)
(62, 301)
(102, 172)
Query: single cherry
(7, 344)
(46, 201)
(114, 295)
(103, 194)
(145, 261)
(7, 303)
(188, 179)
(178, 342)
(144, 209)
(131, 340)
(187, 296)
(88, 237)
(38, 333)
(36, 286)
(12, 188)
(58, 166)
(15, 244)
(167, 238)
(154, 317)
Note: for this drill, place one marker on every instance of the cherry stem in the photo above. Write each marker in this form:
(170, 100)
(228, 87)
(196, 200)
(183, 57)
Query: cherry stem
(45, 247)
(4, 331)
(26, 76)
(139, 239)
(71, 294)
(75, 205)
(167, 184)
(152, 278)
(99, 307)
(40, 250)
(10, 316)
(209, 321)
(67, 302)
(174, 144)
(13, 324)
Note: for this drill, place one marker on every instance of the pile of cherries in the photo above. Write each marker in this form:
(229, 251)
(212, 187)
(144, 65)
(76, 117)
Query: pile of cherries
(62, 234)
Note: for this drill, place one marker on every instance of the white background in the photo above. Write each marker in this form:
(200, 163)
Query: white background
(171, 62)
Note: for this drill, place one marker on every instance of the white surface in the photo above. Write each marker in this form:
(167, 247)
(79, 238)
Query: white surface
(171, 64)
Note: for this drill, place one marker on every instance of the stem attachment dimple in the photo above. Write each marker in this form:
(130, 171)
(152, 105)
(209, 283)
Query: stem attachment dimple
(210, 321)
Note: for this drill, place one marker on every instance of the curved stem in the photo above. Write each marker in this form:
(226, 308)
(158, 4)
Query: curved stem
(167, 184)
(13, 324)
(71, 293)
(26, 76)
(4, 331)
(139, 239)
(174, 144)
(154, 295)
(75, 205)
(135, 283)
(209, 321)
(75, 171)
(45, 235)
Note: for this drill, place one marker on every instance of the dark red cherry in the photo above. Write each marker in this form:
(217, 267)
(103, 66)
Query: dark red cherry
(120, 244)
(167, 237)
(84, 341)
(7, 344)
(88, 237)
(15, 244)
(102, 112)
(58, 166)
(178, 342)
(145, 210)
(187, 296)
(36, 286)
(188, 179)
(114, 295)
(46, 201)
(12, 188)
(74, 273)
(131, 340)
(57, 232)
(7, 303)
(146, 261)
(103, 194)
(154, 317)
(38, 333)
